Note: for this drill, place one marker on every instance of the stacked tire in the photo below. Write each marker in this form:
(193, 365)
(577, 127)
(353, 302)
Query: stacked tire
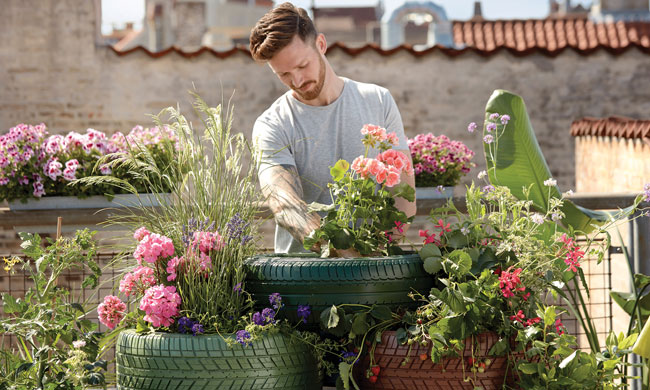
(177, 361)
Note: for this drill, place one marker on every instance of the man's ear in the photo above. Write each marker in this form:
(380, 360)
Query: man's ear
(321, 43)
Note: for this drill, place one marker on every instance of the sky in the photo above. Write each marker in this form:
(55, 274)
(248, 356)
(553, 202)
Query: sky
(118, 12)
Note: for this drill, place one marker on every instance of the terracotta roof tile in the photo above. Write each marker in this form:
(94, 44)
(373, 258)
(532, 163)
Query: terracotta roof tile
(614, 126)
(550, 34)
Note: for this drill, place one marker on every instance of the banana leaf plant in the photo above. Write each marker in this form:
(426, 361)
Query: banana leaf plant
(515, 160)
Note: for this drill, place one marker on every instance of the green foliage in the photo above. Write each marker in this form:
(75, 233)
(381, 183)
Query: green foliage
(47, 320)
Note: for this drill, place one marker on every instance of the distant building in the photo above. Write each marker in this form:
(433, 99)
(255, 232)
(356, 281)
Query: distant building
(191, 24)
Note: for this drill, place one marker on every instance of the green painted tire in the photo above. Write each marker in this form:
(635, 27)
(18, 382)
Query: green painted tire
(178, 361)
(321, 283)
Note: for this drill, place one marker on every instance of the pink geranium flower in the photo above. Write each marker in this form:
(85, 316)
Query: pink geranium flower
(160, 303)
(152, 247)
(139, 280)
(111, 311)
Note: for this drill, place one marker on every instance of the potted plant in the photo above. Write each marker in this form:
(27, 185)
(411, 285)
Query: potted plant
(190, 320)
(42, 171)
(439, 164)
(486, 323)
(362, 217)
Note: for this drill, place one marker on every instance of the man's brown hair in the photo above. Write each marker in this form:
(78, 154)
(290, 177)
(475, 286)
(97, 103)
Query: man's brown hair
(275, 30)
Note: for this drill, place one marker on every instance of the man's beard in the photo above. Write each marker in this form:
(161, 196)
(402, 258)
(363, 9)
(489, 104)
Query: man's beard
(315, 91)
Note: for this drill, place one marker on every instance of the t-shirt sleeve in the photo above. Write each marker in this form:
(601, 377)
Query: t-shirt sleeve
(273, 143)
(394, 120)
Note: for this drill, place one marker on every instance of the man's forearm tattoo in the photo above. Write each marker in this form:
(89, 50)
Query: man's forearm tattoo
(282, 186)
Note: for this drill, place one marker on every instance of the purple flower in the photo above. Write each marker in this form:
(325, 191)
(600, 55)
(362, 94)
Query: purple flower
(346, 356)
(276, 300)
(269, 315)
(646, 193)
(235, 229)
(491, 127)
(472, 127)
(304, 312)
(488, 188)
(488, 139)
(494, 116)
(237, 288)
(244, 338)
(185, 325)
(505, 119)
(197, 329)
(258, 319)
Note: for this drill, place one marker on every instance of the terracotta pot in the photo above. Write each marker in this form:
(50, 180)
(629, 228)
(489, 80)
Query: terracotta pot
(427, 375)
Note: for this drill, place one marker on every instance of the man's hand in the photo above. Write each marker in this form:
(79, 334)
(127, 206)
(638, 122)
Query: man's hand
(283, 191)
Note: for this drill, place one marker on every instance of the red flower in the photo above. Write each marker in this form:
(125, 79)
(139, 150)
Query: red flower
(399, 226)
(573, 255)
(559, 327)
(532, 321)
(441, 225)
(519, 317)
(508, 282)
(429, 238)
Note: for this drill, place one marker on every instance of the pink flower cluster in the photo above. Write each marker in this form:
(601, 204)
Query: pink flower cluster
(160, 303)
(509, 282)
(521, 318)
(434, 238)
(153, 246)
(376, 134)
(137, 281)
(385, 169)
(573, 254)
(28, 151)
(439, 160)
(207, 241)
(111, 311)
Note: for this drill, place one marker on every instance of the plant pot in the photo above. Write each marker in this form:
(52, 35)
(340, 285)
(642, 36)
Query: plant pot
(91, 202)
(178, 361)
(434, 192)
(449, 373)
(320, 283)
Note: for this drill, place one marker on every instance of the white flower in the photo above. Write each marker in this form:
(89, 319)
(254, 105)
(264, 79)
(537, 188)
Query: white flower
(550, 182)
(79, 344)
(464, 230)
(555, 217)
(440, 188)
(537, 218)
(482, 174)
(568, 193)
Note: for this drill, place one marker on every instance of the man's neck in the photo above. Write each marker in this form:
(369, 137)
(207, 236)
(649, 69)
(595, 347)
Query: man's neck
(332, 89)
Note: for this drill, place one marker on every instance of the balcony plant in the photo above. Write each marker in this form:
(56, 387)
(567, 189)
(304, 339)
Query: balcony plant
(362, 217)
(56, 346)
(189, 313)
(35, 164)
(487, 320)
(439, 164)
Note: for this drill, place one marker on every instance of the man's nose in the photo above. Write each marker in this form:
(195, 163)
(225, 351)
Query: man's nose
(297, 80)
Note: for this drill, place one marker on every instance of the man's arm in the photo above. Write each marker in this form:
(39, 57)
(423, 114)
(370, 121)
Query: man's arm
(282, 188)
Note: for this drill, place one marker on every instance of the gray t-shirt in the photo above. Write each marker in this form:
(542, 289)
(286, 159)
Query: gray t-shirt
(314, 138)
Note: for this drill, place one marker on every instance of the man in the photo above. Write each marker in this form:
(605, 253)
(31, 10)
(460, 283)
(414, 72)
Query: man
(313, 125)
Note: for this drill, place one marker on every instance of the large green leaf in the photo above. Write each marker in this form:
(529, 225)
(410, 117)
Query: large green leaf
(515, 160)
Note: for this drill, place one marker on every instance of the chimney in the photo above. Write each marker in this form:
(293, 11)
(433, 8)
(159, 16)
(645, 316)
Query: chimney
(478, 11)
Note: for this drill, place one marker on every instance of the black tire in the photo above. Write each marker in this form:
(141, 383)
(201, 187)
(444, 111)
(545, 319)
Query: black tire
(177, 361)
(321, 283)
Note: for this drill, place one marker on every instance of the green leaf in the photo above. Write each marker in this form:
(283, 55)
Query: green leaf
(518, 162)
(403, 190)
(41, 263)
(339, 169)
(401, 336)
(568, 360)
(499, 348)
(549, 316)
(31, 244)
(528, 368)
(381, 312)
(433, 265)
(360, 324)
(457, 263)
(457, 240)
(582, 373)
(430, 250)
(22, 368)
(641, 280)
(9, 304)
(315, 207)
(345, 371)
